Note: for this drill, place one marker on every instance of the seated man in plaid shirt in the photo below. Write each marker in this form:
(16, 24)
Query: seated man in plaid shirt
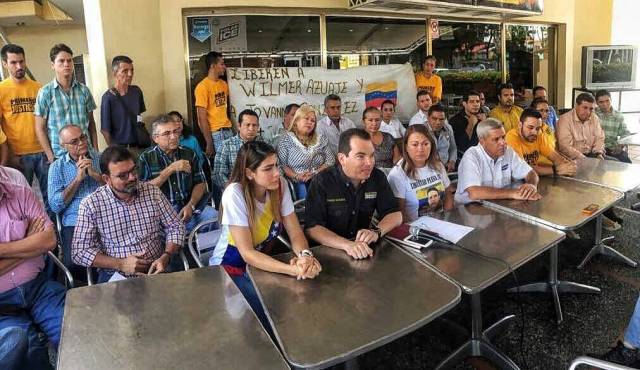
(125, 225)
(177, 172)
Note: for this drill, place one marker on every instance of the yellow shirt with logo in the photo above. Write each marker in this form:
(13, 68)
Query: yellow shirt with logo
(509, 119)
(18, 122)
(432, 84)
(213, 97)
(534, 153)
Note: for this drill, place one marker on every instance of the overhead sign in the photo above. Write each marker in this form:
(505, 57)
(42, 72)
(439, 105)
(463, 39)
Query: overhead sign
(200, 29)
(434, 29)
(268, 90)
(230, 34)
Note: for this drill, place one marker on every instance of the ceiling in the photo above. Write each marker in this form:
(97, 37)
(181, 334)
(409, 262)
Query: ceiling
(20, 13)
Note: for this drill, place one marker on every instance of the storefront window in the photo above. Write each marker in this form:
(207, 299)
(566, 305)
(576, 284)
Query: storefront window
(354, 41)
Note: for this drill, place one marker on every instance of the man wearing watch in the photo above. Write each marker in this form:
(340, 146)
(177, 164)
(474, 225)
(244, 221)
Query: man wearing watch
(343, 199)
(177, 172)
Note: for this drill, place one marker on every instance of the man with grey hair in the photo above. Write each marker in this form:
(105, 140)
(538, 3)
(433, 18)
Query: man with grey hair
(177, 172)
(487, 169)
(122, 107)
(334, 123)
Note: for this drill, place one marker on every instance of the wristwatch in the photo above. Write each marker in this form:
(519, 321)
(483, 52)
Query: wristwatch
(378, 232)
(305, 253)
(193, 208)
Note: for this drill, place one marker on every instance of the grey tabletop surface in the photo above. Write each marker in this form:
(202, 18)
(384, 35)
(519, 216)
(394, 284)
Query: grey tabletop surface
(196, 319)
(563, 200)
(621, 176)
(353, 306)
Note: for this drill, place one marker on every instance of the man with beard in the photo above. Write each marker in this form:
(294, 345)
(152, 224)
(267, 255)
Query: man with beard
(125, 226)
(487, 169)
(530, 144)
(342, 199)
(443, 136)
(506, 112)
(464, 123)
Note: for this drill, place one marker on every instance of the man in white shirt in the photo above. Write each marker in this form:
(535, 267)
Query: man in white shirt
(390, 124)
(487, 169)
(423, 101)
(334, 123)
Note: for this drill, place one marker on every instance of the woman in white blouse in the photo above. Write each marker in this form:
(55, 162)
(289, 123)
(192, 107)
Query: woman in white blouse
(303, 152)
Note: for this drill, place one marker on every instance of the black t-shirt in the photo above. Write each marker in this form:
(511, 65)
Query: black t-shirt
(459, 124)
(114, 118)
(333, 202)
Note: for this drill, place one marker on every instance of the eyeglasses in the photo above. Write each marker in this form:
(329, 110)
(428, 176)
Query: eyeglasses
(124, 176)
(80, 139)
(167, 134)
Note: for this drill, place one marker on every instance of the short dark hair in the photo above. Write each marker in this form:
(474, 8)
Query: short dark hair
(435, 108)
(212, 58)
(331, 97)
(537, 88)
(429, 57)
(10, 48)
(290, 107)
(115, 62)
(247, 112)
(529, 112)
(423, 93)
(536, 101)
(175, 113)
(602, 92)
(388, 101)
(585, 96)
(465, 97)
(344, 144)
(113, 154)
(504, 86)
(57, 49)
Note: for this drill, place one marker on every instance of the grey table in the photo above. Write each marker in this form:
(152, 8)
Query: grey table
(620, 176)
(498, 245)
(196, 319)
(353, 306)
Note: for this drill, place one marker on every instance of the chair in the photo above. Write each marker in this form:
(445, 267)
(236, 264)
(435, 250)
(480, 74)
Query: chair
(599, 364)
(202, 243)
(67, 274)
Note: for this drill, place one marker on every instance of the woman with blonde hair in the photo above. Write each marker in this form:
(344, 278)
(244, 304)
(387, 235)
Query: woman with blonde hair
(303, 151)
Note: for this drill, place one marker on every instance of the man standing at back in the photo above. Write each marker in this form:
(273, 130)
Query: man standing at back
(334, 123)
(506, 111)
(61, 102)
(17, 100)
(428, 81)
(212, 99)
(121, 107)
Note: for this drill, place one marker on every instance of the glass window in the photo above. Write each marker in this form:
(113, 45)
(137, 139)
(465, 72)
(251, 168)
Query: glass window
(355, 41)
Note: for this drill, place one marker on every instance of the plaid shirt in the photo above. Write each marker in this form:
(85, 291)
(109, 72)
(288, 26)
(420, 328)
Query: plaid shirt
(179, 185)
(118, 229)
(59, 109)
(225, 159)
(613, 125)
(62, 172)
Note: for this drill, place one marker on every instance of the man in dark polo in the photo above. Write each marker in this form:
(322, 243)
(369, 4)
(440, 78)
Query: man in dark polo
(342, 199)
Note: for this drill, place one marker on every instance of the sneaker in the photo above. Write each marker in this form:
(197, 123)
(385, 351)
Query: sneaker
(622, 355)
(610, 225)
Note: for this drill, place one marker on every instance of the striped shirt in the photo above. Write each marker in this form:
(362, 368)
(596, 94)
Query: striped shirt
(62, 172)
(225, 159)
(613, 125)
(293, 154)
(118, 229)
(59, 108)
(179, 185)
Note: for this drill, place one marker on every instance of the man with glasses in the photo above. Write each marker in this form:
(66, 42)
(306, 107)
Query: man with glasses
(72, 177)
(125, 226)
(177, 172)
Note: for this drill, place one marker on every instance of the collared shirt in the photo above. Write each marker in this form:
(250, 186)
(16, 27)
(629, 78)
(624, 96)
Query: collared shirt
(509, 119)
(179, 185)
(334, 203)
(18, 206)
(62, 172)
(477, 168)
(331, 132)
(12, 176)
(419, 118)
(613, 125)
(273, 134)
(393, 128)
(445, 143)
(119, 229)
(459, 124)
(225, 159)
(576, 138)
(298, 157)
(59, 108)
(552, 119)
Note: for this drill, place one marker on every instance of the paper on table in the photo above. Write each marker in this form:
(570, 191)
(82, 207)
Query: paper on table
(447, 230)
(116, 277)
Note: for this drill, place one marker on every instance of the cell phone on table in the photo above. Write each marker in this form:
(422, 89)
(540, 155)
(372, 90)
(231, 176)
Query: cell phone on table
(590, 209)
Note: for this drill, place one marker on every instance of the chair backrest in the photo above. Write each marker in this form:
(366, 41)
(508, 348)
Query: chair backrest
(599, 364)
(202, 241)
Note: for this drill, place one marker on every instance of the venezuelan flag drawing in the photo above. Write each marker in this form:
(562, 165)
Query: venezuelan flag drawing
(377, 92)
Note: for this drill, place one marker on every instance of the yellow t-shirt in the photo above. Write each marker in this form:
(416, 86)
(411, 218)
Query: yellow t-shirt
(213, 97)
(510, 119)
(18, 122)
(548, 133)
(432, 84)
(3, 137)
(535, 153)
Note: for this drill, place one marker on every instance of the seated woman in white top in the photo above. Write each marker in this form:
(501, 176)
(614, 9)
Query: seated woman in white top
(383, 143)
(303, 151)
(390, 124)
(255, 205)
(419, 180)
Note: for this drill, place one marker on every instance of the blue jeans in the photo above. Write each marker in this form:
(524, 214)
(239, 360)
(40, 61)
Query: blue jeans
(632, 335)
(14, 345)
(35, 306)
(300, 189)
(36, 164)
(244, 284)
(220, 136)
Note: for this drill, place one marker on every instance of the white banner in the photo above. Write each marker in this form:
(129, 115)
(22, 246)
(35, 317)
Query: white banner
(268, 90)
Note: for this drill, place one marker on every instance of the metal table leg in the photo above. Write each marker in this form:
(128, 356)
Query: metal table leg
(600, 248)
(555, 286)
(479, 344)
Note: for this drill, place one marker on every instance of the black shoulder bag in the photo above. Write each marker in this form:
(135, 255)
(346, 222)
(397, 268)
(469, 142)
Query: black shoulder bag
(143, 139)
